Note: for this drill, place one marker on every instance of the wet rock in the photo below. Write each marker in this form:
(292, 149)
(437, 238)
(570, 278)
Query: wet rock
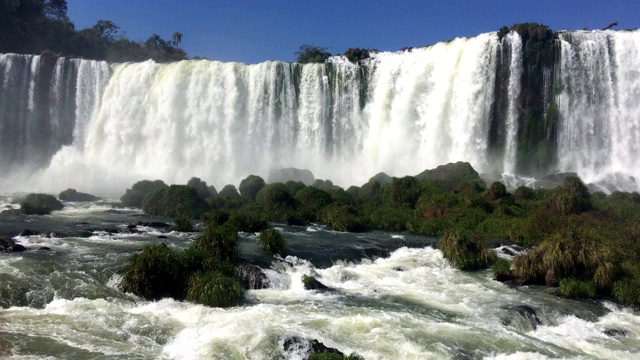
(294, 221)
(12, 212)
(615, 332)
(311, 283)
(398, 269)
(153, 224)
(44, 248)
(8, 245)
(161, 237)
(27, 232)
(73, 195)
(252, 277)
(529, 314)
(296, 347)
(111, 211)
(507, 251)
(40, 204)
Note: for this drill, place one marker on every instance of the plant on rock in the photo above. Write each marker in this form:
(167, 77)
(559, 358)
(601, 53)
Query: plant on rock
(214, 288)
(40, 204)
(464, 252)
(272, 240)
(153, 273)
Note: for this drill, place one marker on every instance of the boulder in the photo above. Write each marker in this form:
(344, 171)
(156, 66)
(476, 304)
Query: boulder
(450, 175)
(311, 283)
(8, 245)
(615, 332)
(296, 347)
(291, 174)
(73, 195)
(252, 277)
(40, 204)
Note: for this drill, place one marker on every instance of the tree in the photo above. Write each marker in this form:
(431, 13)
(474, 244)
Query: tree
(312, 54)
(177, 38)
(106, 29)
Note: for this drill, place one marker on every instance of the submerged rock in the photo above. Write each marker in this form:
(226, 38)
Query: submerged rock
(252, 277)
(615, 332)
(296, 347)
(311, 283)
(528, 317)
(73, 195)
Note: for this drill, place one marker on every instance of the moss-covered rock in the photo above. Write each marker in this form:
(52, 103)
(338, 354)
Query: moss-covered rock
(272, 240)
(133, 197)
(154, 273)
(573, 197)
(175, 201)
(40, 204)
(450, 175)
(465, 252)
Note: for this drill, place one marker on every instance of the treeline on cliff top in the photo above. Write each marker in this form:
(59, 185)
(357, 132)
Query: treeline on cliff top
(587, 244)
(36, 26)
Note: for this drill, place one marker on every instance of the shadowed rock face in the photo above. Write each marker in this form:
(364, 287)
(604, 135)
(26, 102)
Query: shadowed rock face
(7, 244)
(252, 277)
(291, 174)
(296, 347)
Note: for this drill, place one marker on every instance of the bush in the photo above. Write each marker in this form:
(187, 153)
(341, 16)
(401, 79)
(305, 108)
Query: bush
(311, 54)
(272, 240)
(627, 291)
(356, 54)
(276, 200)
(175, 201)
(133, 197)
(183, 224)
(403, 191)
(390, 218)
(294, 187)
(524, 193)
(215, 289)
(572, 197)
(215, 217)
(342, 218)
(153, 273)
(247, 221)
(218, 243)
(464, 252)
(496, 191)
(201, 187)
(40, 204)
(501, 270)
(312, 199)
(250, 186)
(574, 289)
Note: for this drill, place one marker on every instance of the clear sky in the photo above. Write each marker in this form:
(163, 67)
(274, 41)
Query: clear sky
(252, 31)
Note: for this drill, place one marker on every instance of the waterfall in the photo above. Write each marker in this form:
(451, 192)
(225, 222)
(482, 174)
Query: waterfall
(597, 91)
(397, 112)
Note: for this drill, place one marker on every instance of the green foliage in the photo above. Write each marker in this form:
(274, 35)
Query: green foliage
(312, 199)
(311, 54)
(153, 273)
(496, 191)
(574, 289)
(218, 243)
(342, 217)
(338, 195)
(572, 197)
(524, 193)
(276, 200)
(247, 221)
(133, 197)
(183, 224)
(272, 240)
(403, 191)
(175, 201)
(390, 217)
(501, 269)
(215, 217)
(356, 55)
(627, 291)
(201, 187)
(214, 289)
(40, 204)
(464, 252)
(250, 186)
(294, 187)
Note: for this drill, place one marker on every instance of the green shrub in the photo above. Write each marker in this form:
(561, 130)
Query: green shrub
(247, 221)
(501, 270)
(40, 204)
(326, 185)
(524, 193)
(311, 54)
(574, 289)
(464, 252)
(356, 54)
(272, 240)
(174, 201)
(338, 195)
(133, 197)
(627, 291)
(312, 199)
(214, 289)
(390, 218)
(496, 191)
(342, 218)
(218, 242)
(154, 273)
(572, 197)
(276, 200)
(403, 191)
(183, 224)
(201, 187)
(294, 187)
(250, 186)
(215, 217)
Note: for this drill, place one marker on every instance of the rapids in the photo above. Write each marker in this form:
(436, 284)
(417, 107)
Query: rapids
(394, 297)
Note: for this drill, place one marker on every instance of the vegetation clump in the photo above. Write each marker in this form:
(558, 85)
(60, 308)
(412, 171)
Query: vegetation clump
(250, 186)
(342, 218)
(272, 240)
(40, 204)
(356, 55)
(501, 270)
(133, 197)
(464, 252)
(307, 54)
(154, 273)
(183, 224)
(201, 187)
(215, 289)
(174, 201)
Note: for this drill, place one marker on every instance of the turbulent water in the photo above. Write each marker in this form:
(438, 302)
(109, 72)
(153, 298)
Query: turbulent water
(399, 113)
(406, 302)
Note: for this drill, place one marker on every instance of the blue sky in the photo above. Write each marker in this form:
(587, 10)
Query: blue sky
(252, 31)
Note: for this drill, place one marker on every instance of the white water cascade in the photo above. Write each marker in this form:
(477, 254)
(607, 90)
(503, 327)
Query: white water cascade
(599, 83)
(400, 113)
